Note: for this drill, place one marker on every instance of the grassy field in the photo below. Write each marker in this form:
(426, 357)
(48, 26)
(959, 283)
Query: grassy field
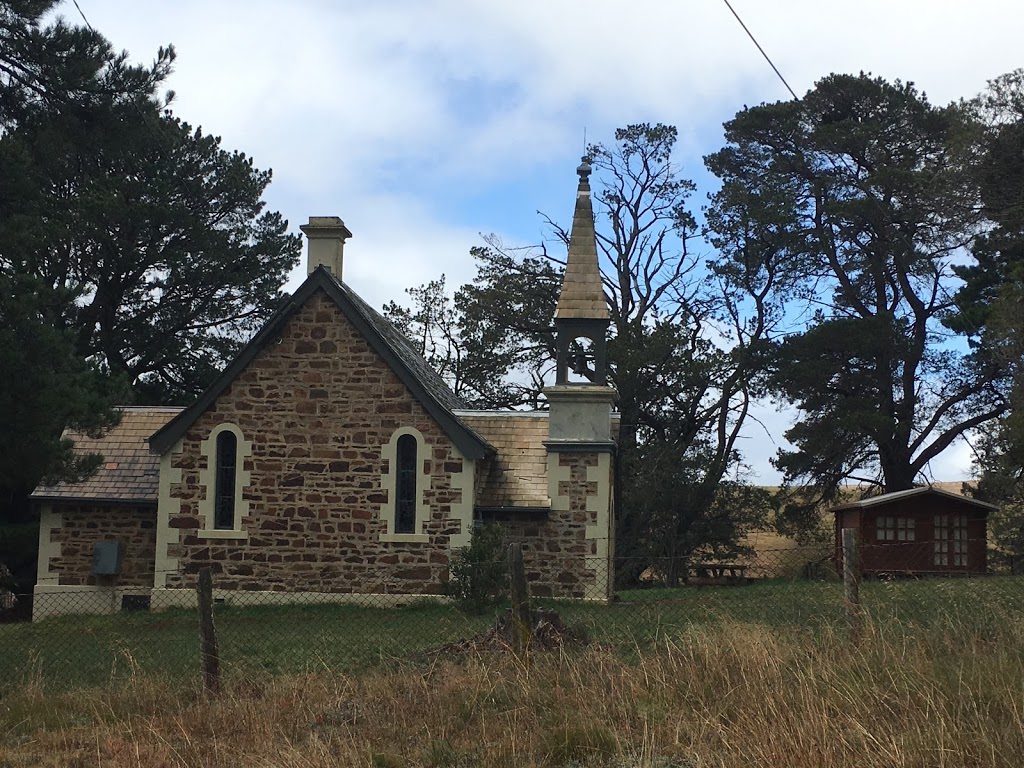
(70, 652)
(709, 695)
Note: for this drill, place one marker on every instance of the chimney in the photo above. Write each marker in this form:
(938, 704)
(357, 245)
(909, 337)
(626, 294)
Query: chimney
(326, 236)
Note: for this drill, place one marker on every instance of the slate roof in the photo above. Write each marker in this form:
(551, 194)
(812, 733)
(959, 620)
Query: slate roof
(425, 384)
(582, 294)
(517, 475)
(888, 498)
(130, 472)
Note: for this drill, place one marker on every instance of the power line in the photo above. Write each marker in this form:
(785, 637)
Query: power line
(753, 40)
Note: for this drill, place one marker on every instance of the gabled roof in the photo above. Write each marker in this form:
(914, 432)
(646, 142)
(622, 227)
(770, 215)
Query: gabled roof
(129, 473)
(425, 384)
(888, 498)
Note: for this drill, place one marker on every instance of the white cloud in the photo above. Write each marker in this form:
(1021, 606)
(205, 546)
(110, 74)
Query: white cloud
(399, 115)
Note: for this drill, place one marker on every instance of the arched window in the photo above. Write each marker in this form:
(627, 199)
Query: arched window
(224, 492)
(405, 495)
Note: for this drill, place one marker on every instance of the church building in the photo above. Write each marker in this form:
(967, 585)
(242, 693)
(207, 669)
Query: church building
(330, 462)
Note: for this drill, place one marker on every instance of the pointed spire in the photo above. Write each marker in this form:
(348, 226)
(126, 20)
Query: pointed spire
(582, 295)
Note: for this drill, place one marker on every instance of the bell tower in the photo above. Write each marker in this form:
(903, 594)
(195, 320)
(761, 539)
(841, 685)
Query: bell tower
(581, 317)
(579, 446)
(581, 399)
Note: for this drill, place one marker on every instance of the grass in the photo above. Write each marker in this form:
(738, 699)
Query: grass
(69, 652)
(708, 695)
(76, 651)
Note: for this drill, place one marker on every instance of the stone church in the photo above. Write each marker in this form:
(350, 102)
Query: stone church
(330, 462)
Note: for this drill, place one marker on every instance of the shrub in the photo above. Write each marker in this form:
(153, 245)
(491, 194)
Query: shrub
(479, 572)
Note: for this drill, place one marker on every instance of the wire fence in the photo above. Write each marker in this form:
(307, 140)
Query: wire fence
(91, 635)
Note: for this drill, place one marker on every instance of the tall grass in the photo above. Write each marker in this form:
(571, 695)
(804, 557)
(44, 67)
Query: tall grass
(720, 694)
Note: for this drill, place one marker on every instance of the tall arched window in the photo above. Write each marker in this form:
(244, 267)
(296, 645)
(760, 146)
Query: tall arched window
(224, 493)
(405, 496)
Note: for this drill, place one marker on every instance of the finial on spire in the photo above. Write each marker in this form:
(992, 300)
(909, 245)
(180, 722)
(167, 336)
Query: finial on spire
(584, 170)
(582, 294)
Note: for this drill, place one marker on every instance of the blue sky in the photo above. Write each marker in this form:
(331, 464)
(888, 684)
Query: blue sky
(425, 123)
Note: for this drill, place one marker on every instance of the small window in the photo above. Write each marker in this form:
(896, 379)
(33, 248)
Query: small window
(960, 540)
(224, 494)
(950, 546)
(941, 545)
(405, 498)
(890, 528)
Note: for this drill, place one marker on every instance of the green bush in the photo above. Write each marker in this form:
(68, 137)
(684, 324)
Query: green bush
(479, 572)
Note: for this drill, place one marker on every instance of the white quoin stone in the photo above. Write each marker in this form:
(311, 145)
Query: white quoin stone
(326, 237)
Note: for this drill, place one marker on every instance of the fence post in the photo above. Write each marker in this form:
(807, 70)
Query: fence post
(208, 653)
(521, 623)
(851, 580)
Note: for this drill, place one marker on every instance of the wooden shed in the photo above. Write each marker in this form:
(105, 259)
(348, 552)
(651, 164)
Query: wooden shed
(916, 532)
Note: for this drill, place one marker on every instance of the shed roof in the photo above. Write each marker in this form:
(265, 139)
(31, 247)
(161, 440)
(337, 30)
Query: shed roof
(130, 472)
(897, 496)
(423, 381)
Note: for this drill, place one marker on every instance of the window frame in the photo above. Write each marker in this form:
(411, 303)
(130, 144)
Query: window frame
(951, 541)
(226, 467)
(390, 482)
(406, 455)
(895, 528)
(210, 478)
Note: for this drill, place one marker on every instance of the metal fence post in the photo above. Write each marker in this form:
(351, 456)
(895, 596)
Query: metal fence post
(851, 580)
(208, 653)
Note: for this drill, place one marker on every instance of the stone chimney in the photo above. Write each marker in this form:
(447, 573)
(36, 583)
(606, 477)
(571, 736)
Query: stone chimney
(326, 236)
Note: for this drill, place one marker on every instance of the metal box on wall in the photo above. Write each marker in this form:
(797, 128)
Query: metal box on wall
(106, 558)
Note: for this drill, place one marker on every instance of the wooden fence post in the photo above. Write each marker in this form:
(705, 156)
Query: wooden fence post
(208, 653)
(521, 623)
(851, 580)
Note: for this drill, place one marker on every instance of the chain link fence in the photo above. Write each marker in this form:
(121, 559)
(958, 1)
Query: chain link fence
(88, 636)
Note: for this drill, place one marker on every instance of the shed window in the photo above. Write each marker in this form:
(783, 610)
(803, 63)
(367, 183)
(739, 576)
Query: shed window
(950, 547)
(405, 497)
(891, 528)
(224, 493)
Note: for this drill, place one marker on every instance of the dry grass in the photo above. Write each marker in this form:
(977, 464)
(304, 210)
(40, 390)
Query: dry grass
(719, 695)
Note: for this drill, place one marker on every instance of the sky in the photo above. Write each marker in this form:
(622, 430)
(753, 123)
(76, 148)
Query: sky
(426, 124)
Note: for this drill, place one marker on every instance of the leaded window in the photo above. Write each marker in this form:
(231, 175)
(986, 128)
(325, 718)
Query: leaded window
(224, 492)
(405, 498)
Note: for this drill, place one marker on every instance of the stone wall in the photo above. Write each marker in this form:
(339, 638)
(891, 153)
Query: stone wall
(319, 407)
(83, 525)
(562, 552)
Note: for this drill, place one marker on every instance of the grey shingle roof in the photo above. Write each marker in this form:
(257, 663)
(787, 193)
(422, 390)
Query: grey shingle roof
(130, 472)
(399, 344)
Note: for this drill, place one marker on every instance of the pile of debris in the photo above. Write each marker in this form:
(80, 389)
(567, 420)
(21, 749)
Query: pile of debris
(547, 632)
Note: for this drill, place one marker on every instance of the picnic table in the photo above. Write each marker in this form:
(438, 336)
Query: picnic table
(719, 570)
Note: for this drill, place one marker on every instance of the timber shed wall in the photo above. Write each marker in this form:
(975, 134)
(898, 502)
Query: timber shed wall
(917, 556)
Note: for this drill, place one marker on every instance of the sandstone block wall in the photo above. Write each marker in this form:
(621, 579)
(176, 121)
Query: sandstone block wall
(83, 525)
(318, 405)
(555, 549)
